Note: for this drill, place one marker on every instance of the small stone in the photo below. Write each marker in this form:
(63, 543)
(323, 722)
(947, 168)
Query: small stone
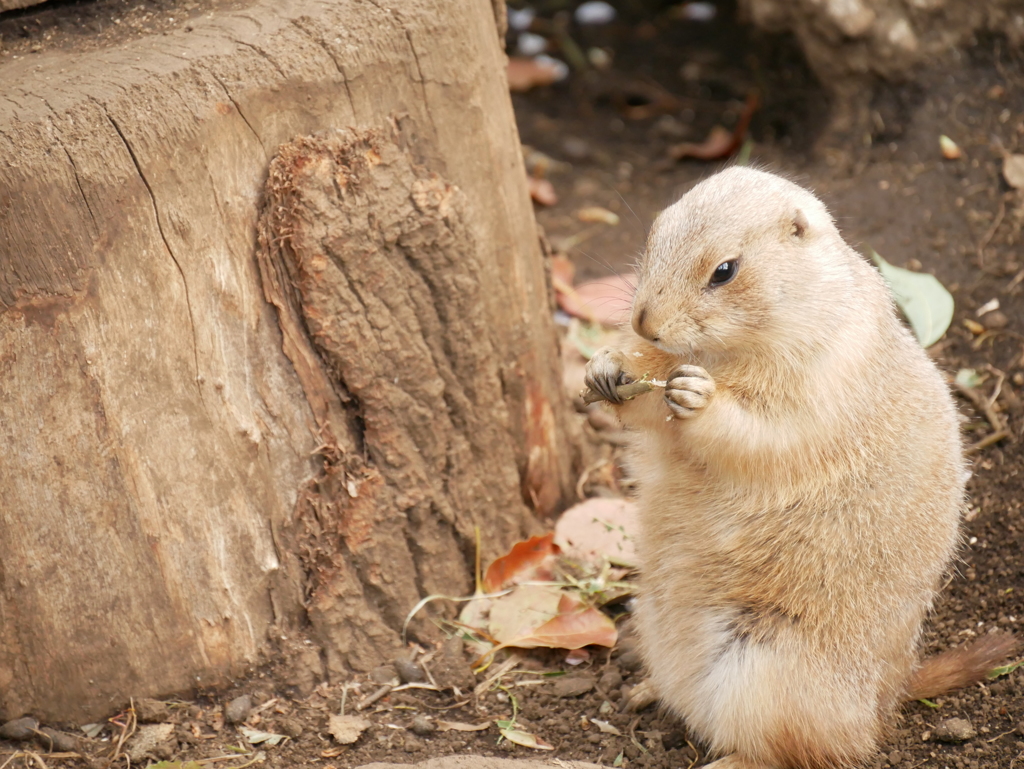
(57, 742)
(954, 730)
(149, 711)
(631, 660)
(384, 674)
(290, 727)
(19, 729)
(236, 711)
(409, 671)
(895, 757)
(412, 744)
(423, 726)
(994, 320)
(572, 685)
(1020, 728)
(610, 680)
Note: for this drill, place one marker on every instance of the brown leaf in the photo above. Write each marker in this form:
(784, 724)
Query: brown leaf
(599, 527)
(527, 607)
(576, 625)
(527, 560)
(720, 142)
(597, 214)
(607, 301)
(526, 739)
(347, 729)
(525, 73)
(542, 191)
(458, 726)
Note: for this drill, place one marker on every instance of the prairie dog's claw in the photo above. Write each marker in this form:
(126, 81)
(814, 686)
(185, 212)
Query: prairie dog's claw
(688, 391)
(604, 373)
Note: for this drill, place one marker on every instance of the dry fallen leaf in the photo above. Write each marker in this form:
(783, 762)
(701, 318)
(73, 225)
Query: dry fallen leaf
(608, 301)
(720, 141)
(1013, 170)
(597, 214)
(256, 736)
(599, 527)
(519, 737)
(576, 625)
(458, 726)
(525, 73)
(542, 191)
(347, 729)
(516, 615)
(606, 727)
(529, 560)
(950, 150)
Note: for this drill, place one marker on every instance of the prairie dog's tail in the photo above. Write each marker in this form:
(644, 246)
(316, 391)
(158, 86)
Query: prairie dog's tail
(960, 667)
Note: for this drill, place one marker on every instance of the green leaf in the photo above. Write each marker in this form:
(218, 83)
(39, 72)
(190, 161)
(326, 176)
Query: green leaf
(1005, 669)
(968, 377)
(925, 302)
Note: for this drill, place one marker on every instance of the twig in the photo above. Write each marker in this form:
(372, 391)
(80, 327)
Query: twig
(1000, 735)
(504, 668)
(987, 441)
(625, 392)
(980, 404)
(381, 692)
(990, 232)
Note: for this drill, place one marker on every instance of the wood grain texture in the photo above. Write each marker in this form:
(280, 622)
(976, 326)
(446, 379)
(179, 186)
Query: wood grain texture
(161, 465)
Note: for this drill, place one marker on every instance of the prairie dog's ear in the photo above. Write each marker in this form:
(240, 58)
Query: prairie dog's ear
(798, 224)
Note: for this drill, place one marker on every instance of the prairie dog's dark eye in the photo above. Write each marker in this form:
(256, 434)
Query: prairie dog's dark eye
(724, 272)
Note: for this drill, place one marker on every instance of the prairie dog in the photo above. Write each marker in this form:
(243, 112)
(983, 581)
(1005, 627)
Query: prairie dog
(801, 481)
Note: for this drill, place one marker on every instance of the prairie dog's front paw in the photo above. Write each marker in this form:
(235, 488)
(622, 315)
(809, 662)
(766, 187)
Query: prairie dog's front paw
(688, 391)
(604, 373)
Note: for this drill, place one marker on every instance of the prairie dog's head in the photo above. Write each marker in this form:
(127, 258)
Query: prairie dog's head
(744, 259)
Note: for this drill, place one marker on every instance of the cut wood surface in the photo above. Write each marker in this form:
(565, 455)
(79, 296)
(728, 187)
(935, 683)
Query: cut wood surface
(208, 434)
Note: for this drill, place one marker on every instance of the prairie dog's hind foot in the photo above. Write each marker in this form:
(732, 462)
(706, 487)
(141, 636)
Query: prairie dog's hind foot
(605, 372)
(688, 390)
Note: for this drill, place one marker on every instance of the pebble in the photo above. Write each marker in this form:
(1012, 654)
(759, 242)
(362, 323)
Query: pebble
(19, 729)
(994, 320)
(236, 711)
(572, 685)
(149, 711)
(57, 742)
(423, 726)
(954, 730)
(412, 744)
(610, 680)
(408, 671)
(631, 660)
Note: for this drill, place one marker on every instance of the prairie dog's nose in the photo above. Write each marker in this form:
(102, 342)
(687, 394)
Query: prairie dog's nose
(642, 323)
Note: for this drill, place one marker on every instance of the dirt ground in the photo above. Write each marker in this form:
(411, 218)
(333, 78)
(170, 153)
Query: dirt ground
(891, 190)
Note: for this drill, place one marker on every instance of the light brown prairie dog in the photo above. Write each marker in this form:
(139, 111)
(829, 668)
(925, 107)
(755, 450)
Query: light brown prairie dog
(801, 480)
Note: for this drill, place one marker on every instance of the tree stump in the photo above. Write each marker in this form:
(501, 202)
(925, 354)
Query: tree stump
(275, 341)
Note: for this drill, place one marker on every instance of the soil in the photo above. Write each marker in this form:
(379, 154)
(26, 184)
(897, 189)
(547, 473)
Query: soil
(892, 191)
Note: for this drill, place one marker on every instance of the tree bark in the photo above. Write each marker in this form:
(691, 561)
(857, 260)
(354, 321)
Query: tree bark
(236, 403)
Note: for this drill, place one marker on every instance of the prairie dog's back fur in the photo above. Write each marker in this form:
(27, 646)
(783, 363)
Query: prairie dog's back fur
(800, 483)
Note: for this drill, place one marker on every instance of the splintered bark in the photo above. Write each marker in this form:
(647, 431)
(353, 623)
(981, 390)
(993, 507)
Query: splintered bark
(275, 341)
